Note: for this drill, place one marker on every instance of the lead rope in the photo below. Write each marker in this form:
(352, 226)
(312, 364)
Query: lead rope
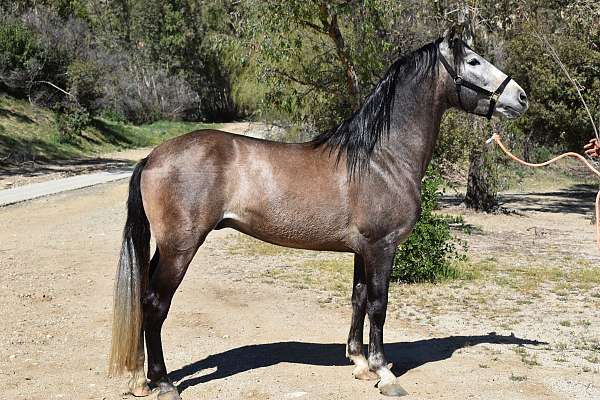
(496, 138)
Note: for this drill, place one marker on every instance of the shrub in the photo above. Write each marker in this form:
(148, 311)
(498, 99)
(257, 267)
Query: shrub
(428, 255)
(143, 94)
(19, 50)
(84, 83)
(71, 120)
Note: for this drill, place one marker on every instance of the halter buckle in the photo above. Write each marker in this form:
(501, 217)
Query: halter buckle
(494, 97)
(458, 80)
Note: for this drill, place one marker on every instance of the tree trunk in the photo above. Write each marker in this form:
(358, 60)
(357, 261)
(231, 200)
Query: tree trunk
(332, 29)
(481, 192)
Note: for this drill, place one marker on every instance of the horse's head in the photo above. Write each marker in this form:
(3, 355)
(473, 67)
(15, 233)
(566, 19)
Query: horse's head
(476, 85)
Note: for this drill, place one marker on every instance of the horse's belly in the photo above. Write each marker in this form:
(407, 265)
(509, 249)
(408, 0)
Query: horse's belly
(302, 229)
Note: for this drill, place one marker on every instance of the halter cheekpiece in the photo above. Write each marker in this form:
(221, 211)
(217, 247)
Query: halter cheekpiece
(460, 82)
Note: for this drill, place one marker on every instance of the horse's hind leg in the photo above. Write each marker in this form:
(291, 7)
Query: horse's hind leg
(354, 347)
(169, 273)
(138, 384)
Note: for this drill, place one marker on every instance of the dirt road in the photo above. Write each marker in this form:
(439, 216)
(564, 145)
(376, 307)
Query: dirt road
(249, 321)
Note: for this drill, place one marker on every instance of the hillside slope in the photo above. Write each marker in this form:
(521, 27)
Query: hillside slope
(28, 133)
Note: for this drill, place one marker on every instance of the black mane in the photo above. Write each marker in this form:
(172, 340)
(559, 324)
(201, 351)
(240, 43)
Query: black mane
(358, 135)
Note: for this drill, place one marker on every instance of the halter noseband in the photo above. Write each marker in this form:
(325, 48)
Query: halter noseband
(460, 82)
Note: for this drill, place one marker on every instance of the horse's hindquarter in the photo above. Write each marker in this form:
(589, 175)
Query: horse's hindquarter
(288, 194)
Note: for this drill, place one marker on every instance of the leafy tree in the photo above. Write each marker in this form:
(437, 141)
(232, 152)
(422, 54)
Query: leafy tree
(556, 114)
(319, 59)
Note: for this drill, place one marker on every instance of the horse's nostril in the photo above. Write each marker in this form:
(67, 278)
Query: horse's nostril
(523, 98)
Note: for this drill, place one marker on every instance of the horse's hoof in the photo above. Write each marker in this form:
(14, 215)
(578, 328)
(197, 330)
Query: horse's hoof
(364, 374)
(392, 388)
(139, 387)
(170, 395)
(140, 391)
(167, 391)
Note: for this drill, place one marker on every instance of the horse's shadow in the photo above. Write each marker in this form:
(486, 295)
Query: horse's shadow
(406, 356)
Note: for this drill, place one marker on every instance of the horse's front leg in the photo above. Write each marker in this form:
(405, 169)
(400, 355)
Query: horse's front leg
(378, 267)
(354, 347)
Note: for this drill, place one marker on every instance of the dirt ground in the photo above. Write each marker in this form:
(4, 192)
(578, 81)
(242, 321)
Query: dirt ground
(255, 321)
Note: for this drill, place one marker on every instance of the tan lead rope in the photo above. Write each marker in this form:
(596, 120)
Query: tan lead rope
(496, 138)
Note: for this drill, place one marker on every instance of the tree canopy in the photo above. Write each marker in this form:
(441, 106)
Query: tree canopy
(308, 62)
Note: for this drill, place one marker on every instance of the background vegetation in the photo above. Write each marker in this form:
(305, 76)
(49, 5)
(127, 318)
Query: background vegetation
(306, 64)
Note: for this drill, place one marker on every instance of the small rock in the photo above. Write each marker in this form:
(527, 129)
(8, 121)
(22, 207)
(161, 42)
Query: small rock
(12, 356)
(225, 336)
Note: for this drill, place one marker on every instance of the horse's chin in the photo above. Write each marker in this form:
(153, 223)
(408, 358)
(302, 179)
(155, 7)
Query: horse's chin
(509, 112)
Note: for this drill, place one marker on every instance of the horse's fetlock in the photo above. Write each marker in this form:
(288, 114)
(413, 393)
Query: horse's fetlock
(354, 348)
(376, 361)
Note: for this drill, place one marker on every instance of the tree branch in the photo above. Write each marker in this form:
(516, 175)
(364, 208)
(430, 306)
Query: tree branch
(299, 81)
(57, 88)
(333, 30)
(314, 26)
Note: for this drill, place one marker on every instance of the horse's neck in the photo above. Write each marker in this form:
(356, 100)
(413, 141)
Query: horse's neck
(414, 128)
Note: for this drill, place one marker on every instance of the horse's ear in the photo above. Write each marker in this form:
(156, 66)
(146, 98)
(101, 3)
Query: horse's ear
(449, 35)
(467, 35)
(462, 32)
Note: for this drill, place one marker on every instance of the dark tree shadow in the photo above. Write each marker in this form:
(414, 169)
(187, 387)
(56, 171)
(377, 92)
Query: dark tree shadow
(577, 198)
(18, 116)
(16, 158)
(22, 154)
(405, 355)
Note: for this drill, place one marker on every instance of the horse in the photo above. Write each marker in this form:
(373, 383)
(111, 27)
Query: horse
(354, 188)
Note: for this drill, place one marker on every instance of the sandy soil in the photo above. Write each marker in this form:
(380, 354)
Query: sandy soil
(252, 321)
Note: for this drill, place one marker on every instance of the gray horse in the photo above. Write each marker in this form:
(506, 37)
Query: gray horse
(353, 189)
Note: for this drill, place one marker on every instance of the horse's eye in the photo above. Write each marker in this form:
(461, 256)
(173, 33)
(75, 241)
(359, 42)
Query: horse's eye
(473, 62)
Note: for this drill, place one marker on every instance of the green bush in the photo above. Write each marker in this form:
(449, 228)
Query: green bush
(429, 254)
(84, 83)
(70, 121)
(17, 45)
(19, 50)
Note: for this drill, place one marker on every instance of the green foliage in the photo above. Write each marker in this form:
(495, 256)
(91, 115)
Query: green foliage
(84, 82)
(18, 46)
(278, 59)
(556, 114)
(33, 135)
(289, 49)
(70, 121)
(429, 254)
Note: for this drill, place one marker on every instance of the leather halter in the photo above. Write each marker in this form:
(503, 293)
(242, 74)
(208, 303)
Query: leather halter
(460, 82)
